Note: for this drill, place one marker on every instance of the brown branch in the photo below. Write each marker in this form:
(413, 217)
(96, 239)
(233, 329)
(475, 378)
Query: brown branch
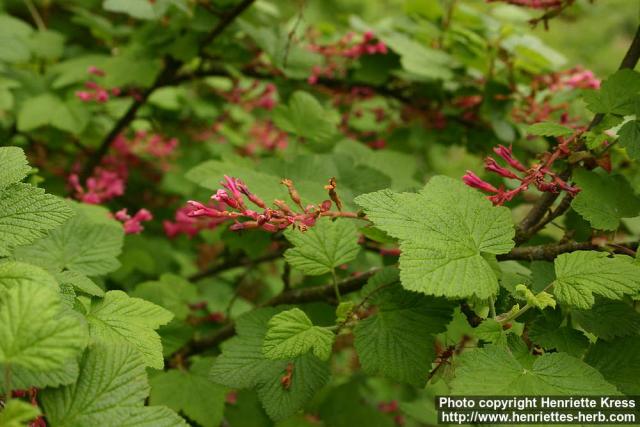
(233, 263)
(546, 252)
(166, 76)
(293, 296)
(533, 219)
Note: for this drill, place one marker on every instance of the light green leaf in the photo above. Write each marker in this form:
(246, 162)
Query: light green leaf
(448, 233)
(493, 370)
(17, 273)
(119, 318)
(491, 330)
(13, 165)
(542, 300)
(305, 117)
(549, 129)
(26, 213)
(35, 334)
(604, 199)
(629, 138)
(323, 247)
(111, 385)
(141, 9)
(581, 274)
(291, 334)
(619, 362)
(398, 341)
(47, 109)
(17, 413)
(80, 282)
(84, 244)
(22, 378)
(242, 365)
(190, 392)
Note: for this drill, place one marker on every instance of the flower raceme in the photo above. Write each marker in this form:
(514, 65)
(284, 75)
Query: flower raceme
(109, 179)
(94, 91)
(536, 175)
(133, 224)
(344, 48)
(233, 195)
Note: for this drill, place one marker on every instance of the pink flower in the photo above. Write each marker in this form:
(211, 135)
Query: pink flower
(473, 180)
(492, 166)
(95, 71)
(84, 96)
(133, 224)
(507, 155)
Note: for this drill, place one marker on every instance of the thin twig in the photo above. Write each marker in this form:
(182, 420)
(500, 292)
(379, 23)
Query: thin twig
(233, 263)
(37, 18)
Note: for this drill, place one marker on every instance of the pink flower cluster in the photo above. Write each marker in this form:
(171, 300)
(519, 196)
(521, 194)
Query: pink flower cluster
(575, 78)
(109, 179)
(233, 195)
(535, 175)
(102, 186)
(133, 224)
(96, 92)
(345, 48)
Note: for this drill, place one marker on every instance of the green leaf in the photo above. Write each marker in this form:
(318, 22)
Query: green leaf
(190, 392)
(242, 365)
(349, 405)
(549, 129)
(305, 117)
(85, 244)
(111, 386)
(619, 362)
(629, 138)
(491, 330)
(17, 413)
(26, 213)
(17, 273)
(47, 110)
(616, 95)
(141, 9)
(604, 199)
(398, 341)
(581, 274)
(542, 300)
(550, 335)
(154, 416)
(493, 370)
(291, 334)
(171, 292)
(13, 166)
(35, 334)
(448, 233)
(119, 318)
(608, 319)
(323, 247)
